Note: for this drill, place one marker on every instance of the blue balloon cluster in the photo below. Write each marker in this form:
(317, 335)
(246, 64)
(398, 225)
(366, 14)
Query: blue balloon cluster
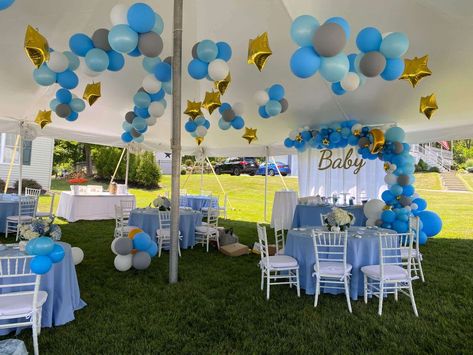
(46, 253)
(5, 4)
(209, 60)
(352, 81)
(229, 118)
(63, 73)
(271, 101)
(67, 106)
(197, 127)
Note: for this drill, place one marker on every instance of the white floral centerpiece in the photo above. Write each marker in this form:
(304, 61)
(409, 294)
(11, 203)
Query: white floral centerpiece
(162, 203)
(339, 220)
(40, 228)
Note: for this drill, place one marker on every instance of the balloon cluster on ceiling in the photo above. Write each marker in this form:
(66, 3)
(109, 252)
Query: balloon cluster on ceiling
(321, 49)
(271, 101)
(231, 116)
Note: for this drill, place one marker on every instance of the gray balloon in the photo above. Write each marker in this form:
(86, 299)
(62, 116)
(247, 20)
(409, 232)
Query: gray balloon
(150, 44)
(372, 64)
(168, 60)
(228, 115)
(134, 133)
(398, 147)
(100, 39)
(378, 222)
(123, 246)
(63, 110)
(403, 180)
(284, 105)
(363, 142)
(194, 51)
(405, 201)
(130, 116)
(141, 260)
(329, 39)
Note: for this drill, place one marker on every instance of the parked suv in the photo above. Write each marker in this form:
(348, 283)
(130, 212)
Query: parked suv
(237, 166)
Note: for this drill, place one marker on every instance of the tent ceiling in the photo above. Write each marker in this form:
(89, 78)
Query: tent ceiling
(439, 28)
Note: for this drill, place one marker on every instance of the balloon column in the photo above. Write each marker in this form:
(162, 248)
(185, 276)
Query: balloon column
(271, 101)
(231, 116)
(46, 253)
(135, 250)
(210, 60)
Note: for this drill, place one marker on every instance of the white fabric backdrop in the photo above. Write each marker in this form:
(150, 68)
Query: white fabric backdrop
(312, 181)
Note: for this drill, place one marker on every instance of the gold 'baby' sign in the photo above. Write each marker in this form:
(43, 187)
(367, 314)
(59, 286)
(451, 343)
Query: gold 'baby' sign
(348, 162)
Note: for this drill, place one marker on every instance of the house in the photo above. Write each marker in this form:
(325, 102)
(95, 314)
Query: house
(164, 161)
(37, 159)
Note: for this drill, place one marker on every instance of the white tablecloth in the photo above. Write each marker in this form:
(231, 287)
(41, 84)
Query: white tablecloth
(284, 205)
(89, 207)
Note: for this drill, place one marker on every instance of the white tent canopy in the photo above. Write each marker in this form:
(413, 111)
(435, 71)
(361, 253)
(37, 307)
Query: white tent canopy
(439, 28)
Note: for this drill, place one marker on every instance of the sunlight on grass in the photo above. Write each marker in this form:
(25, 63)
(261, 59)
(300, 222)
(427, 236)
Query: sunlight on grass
(428, 181)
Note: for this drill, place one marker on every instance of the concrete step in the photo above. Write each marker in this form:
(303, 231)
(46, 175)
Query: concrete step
(451, 182)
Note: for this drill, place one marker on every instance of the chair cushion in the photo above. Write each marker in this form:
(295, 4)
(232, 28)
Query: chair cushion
(333, 268)
(204, 229)
(166, 233)
(405, 253)
(281, 261)
(21, 218)
(11, 305)
(391, 272)
(43, 214)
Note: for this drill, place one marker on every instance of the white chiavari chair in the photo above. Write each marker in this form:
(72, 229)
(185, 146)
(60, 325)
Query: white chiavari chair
(279, 240)
(322, 218)
(208, 230)
(163, 233)
(26, 213)
(49, 214)
(417, 257)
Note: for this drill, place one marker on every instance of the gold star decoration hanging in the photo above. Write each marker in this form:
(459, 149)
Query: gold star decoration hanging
(36, 46)
(386, 166)
(250, 134)
(92, 92)
(298, 138)
(428, 105)
(259, 51)
(415, 69)
(326, 141)
(199, 140)
(211, 101)
(193, 109)
(43, 118)
(222, 85)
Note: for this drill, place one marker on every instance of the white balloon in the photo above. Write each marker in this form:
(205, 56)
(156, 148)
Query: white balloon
(151, 84)
(89, 72)
(392, 168)
(293, 134)
(238, 108)
(350, 82)
(218, 69)
(390, 179)
(152, 120)
(201, 131)
(77, 255)
(371, 222)
(112, 246)
(156, 109)
(414, 206)
(58, 62)
(123, 262)
(118, 15)
(373, 208)
(261, 97)
(356, 127)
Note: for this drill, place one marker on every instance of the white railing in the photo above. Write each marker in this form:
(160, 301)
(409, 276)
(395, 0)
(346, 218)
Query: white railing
(440, 158)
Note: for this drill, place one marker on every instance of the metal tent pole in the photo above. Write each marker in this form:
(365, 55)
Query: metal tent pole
(118, 165)
(266, 185)
(20, 178)
(279, 172)
(176, 138)
(202, 175)
(127, 167)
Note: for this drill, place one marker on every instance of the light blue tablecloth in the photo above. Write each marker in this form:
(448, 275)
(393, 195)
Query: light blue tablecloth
(197, 202)
(148, 220)
(309, 216)
(62, 287)
(360, 252)
(8, 207)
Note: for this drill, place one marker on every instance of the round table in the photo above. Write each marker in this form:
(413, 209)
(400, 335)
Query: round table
(197, 202)
(8, 207)
(360, 252)
(309, 215)
(284, 205)
(147, 219)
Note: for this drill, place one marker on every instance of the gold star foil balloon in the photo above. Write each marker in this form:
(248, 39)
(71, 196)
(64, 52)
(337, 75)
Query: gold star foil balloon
(326, 141)
(222, 85)
(378, 140)
(259, 51)
(36, 47)
(428, 105)
(193, 109)
(415, 69)
(199, 140)
(92, 92)
(43, 118)
(211, 101)
(250, 134)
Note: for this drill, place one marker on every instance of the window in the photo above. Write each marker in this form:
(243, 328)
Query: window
(7, 145)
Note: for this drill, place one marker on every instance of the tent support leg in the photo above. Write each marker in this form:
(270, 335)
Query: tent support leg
(266, 185)
(218, 180)
(279, 173)
(12, 160)
(118, 165)
(176, 139)
(127, 167)
(20, 177)
(202, 176)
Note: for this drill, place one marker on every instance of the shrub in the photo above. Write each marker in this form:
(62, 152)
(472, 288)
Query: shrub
(421, 166)
(32, 184)
(434, 169)
(2, 185)
(183, 171)
(189, 162)
(148, 174)
(469, 163)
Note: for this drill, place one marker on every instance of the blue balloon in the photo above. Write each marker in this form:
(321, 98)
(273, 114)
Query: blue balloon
(238, 122)
(116, 61)
(72, 116)
(127, 137)
(44, 76)
(43, 246)
(403, 217)
(139, 123)
(395, 134)
(386, 225)
(352, 140)
(400, 226)
(273, 107)
(207, 124)
(141, 99)
(369, 39)
(393, 69)
(126, 126)
(53, 103)
(225, 106)
(352, 59)
(422, 238)
(141, 111)
(262, 112)
(57, 254)
(141, 17)
(303, 29)
(197, 69)
(199, 120)
(388, 216)
(421, 203)
(158, 24)
(288, 143)
(153, 249)
(29, 248)
(224, 125)
(158, 96)
(142, 241)
(41, 264)
(135, 52)
(167, 86)
(306, 135)
(276, 92)
(394, 45)
(80, 44)
(149, 63)
(342, 23)
(68, 79)
(5, 4)
(335, 137)
(299, 145)
(345, 132)
(74, 61)
(77, 105)
(408, 190)
(122, 38)
(396, 189)
(432, 223)
(142, 131)
(64, 96)
(97, 59)
(207, 50)
(334, 68)
(139, 139)
(190, 126)
(163, 72)
(337, 89)
(305, 62)
(224, 51)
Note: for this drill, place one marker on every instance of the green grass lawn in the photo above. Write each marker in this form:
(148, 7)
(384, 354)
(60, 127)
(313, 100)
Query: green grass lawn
(428, 181)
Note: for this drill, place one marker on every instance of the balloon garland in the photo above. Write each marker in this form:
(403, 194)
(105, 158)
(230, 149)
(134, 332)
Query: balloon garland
(271, 101)
(46, 253)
